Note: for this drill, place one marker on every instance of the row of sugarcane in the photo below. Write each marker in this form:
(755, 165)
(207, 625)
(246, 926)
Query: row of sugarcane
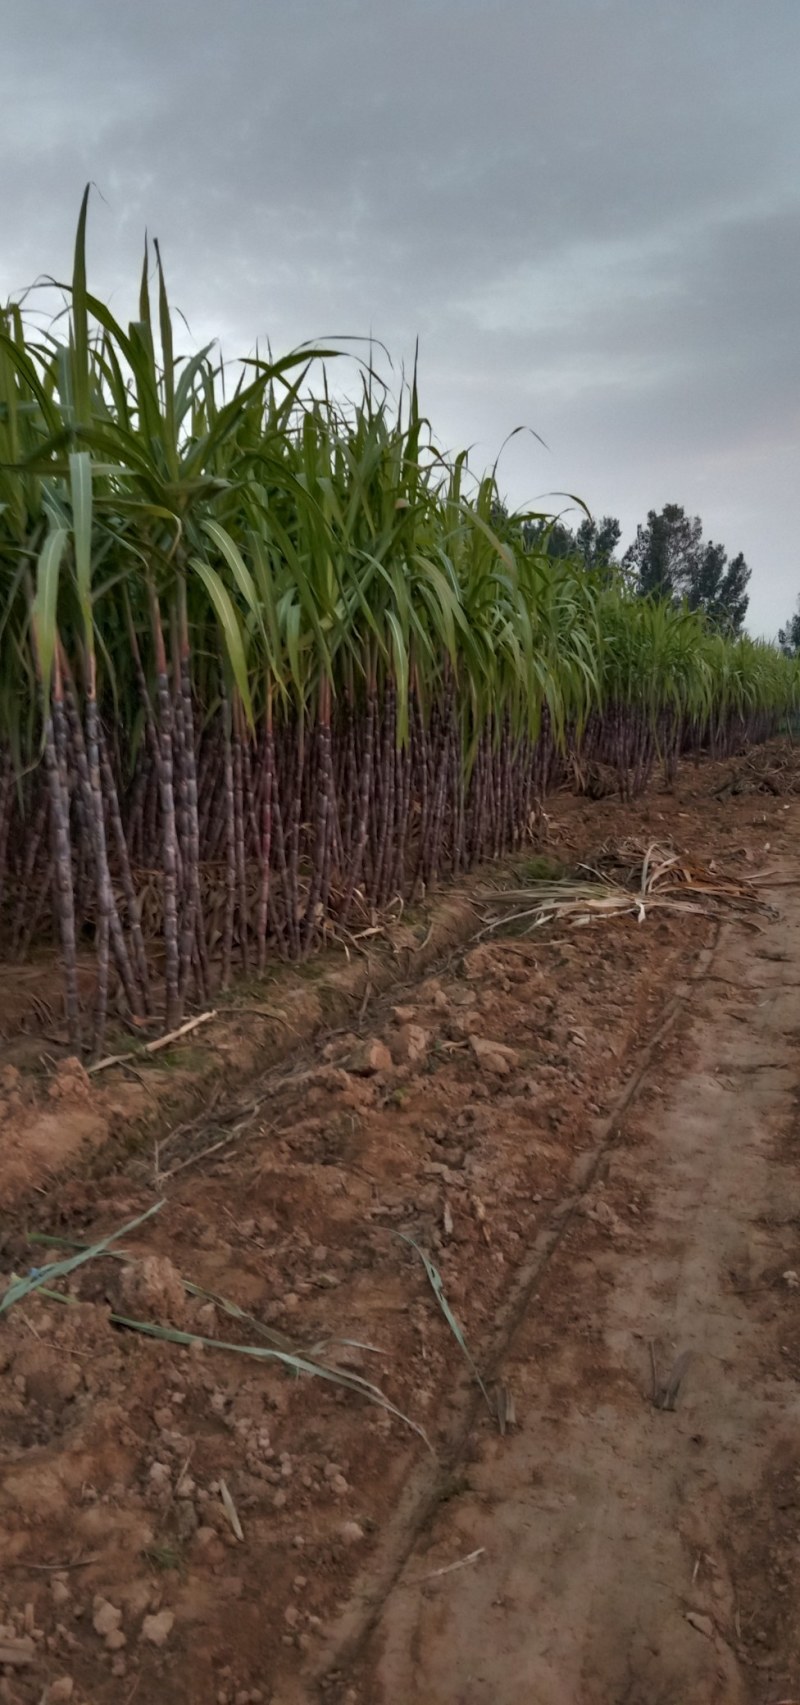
(268, 662)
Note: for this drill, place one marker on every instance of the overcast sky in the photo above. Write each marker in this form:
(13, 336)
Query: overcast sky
(586, 210)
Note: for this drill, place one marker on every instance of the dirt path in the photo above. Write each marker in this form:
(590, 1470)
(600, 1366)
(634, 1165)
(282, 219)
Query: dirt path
(627, 1553)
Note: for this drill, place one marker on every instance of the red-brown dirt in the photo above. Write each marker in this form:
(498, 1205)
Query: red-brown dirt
(179, 1523)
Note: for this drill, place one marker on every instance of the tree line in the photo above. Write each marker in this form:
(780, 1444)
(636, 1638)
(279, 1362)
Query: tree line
(669, 558)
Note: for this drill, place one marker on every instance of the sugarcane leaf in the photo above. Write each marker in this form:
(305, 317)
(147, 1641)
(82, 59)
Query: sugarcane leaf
(437, 1286)
(399, 653)
(230, 629)
(298, 1364)
(80, 479)
(81, 369)
(45, 606)
(21, 1288)
(183, 390)
(236, 563)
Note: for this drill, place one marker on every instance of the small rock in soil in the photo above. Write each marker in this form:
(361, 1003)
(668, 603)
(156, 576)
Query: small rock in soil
(187, 1519)
(153, 1287)
(209, 1544)
(372, 1056)
(493, 1057)
(410, 1045)
(159, 1483)
(106, 1617)
(50, 1380)
(339, 1046)
(157, 1629)
(464, 1023)
(351, 1532)
(71, 1082)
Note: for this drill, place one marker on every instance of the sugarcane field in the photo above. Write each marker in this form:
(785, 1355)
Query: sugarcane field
(399, 1073)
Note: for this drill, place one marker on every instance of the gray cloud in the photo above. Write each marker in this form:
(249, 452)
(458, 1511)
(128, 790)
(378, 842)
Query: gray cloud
(586, 209)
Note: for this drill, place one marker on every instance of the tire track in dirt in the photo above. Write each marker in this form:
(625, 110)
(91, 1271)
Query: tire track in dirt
(428, 1487)
(629, 1554)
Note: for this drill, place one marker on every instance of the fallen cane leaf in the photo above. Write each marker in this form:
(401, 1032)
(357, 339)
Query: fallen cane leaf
(450, 1568)
(38, 1276)
(17, 1653)
(506, 1409)
(154, 1047)
(231, 1511)
(437, 1286)
(703, 1624)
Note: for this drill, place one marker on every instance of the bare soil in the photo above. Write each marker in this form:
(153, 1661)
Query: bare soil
(613, 1206)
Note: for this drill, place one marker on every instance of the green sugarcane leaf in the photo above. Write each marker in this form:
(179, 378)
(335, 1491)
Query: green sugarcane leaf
(184, 387)
(236, 563)
(167, 371)
(81, 360)
(45, 608)
(230, 628)
(21, 1288)
(295, 1363)
(80, 479)
(399, 651)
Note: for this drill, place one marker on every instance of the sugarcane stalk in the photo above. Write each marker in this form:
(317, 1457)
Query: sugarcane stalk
(266, 832)
(323, 801)
(239, 846)
(230, 849)
(169, 835)
(64, 896)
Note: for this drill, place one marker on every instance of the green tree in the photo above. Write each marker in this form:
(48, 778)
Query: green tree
(596, 542)
(789, 637)
(665, 552)
(592, 544)
(718, 587)
(670, 559)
